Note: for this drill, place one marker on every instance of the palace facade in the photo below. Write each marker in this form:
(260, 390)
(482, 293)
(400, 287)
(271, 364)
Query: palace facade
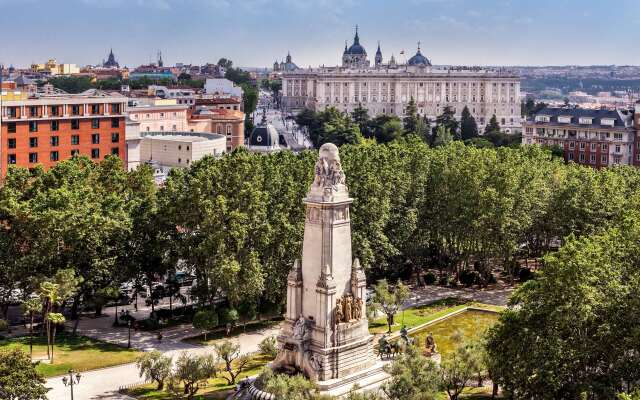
(387, 88)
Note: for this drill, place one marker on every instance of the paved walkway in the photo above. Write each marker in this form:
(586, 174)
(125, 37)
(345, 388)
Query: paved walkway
(498, 296)
(104, 383)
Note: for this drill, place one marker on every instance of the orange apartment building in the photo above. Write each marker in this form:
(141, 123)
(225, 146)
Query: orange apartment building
(46, 129)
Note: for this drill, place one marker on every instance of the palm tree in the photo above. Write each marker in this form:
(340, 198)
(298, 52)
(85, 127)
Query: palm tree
(55, 319)
(49, 296)
(30, 308)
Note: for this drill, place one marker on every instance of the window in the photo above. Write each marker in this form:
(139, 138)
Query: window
(115, 151)
(95, 138)
(75, 109)
(229, 129)
(605, 146)
(75, 124)
(55, 125)
(593, 147)
(581, 157)
(33, 111)
(572, 145)
(570, 156)
(187, 148)
(582, 145)
(95, 123)
(33, 157)
(617, 148)
(115, 122)
(174, 127)
(179, 147)
(592, 158)
(75, 152)
(179, 160)
(75, 140)
(617, 136)
(55, 140)
(33, 142)
(11, 159)
(115, 137)
(53, 156)
(55, 110)
(95, 109)
(11, 127)
(11, 143)
(115, 108)
(95, 153)
(33, 126)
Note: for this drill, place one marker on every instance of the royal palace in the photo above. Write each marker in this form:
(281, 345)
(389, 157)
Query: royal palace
(387, 88)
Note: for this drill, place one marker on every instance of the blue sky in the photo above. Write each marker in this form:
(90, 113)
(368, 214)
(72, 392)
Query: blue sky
(256, 32)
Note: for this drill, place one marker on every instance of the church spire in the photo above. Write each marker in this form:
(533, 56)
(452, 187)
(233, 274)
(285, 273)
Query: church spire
(356, 39)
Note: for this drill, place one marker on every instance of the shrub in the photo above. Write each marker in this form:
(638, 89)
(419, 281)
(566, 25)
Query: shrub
(430, 278)
(229, 316)
(4, 325)
(269, 347)
(468, 277)
(525, 274)
(453, 282)
(205, 320)
(149, 324)
(444, 280)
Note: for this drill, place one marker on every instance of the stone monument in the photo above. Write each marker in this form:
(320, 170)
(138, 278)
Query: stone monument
(325, 334)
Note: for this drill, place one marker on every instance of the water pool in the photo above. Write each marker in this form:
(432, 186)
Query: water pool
(471, 323)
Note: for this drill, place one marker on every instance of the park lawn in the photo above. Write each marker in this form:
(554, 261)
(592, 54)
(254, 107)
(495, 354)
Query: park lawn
(79, 353)
(216, 388)
(472, 393)
(219, 334)
(416, 316)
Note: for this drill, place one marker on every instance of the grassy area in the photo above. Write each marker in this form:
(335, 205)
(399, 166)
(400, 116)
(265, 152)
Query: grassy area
(216, 388)
(473, 393)
(221, 334)
(413, 317)
(72, 352)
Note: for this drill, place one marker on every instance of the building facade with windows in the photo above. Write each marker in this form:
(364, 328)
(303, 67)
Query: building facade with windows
(161, 116)
(43, 129)
(387, 88)
(598, 138)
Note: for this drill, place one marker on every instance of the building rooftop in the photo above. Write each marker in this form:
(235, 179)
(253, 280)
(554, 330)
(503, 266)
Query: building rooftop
(183, 136)
(620, 118)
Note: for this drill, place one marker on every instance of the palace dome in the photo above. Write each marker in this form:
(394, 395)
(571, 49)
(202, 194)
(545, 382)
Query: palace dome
(356, 48)
(419, 59)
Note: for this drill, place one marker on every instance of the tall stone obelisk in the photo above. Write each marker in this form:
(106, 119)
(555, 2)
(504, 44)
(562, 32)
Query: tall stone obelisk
(325, 334)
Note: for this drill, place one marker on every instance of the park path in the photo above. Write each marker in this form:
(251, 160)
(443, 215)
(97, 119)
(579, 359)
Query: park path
(103, 384)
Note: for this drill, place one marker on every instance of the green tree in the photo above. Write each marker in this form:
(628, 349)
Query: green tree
(493, 126)
(390, 299)
(458, 368)
(192, 371)
(286, 387)
(269, 346)
(225, 63)
(19, 379)
(413, 377)
(154, 366)
(442, 136)
(54, 320)
(30, 308)
(360, 116)
(71, 84)
(389, 131)
(468, 126)
(565, 334)
(449, 121)
(234, 362)
(205, 320)
(411, 120)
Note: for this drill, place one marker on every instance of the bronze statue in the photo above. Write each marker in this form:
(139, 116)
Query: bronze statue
(430, 345)
(339, 316)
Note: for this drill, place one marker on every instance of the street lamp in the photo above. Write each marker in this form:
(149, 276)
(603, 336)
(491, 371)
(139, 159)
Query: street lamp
(71, 380)
(125, 316)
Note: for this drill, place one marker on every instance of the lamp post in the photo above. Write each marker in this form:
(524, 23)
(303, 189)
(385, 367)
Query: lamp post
(124, 315)
(71, 380)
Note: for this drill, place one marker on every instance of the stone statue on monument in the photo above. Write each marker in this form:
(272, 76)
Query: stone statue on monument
(300, 329)
(348, 315)
(339, 315)
(328, 170)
